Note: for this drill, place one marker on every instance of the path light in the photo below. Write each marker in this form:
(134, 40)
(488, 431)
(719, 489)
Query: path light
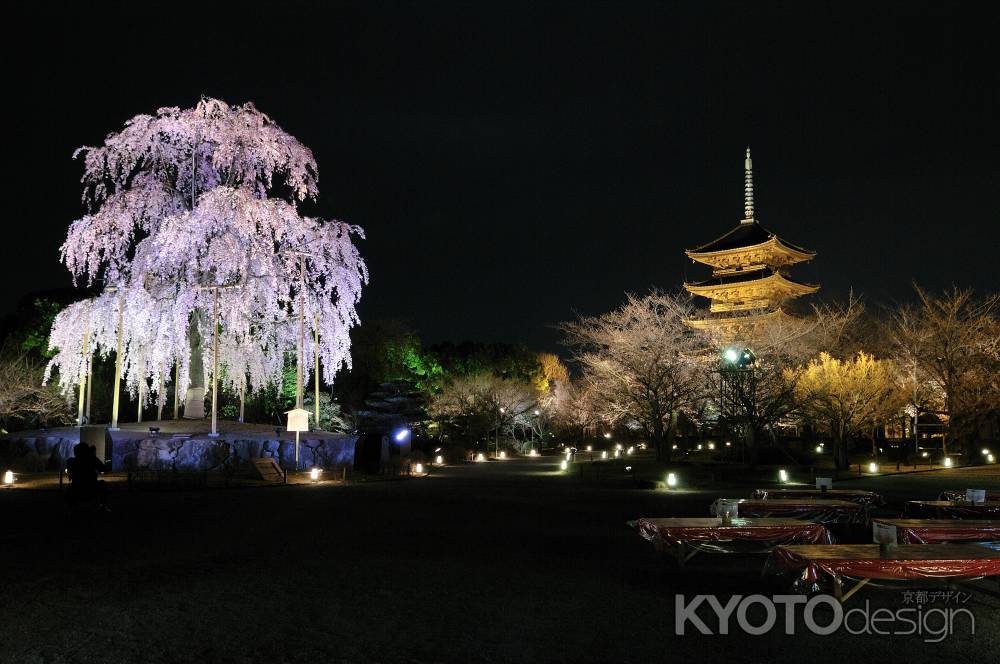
(630, 450)
(947, 462)
(604, 454)
(533, 453)
(990, 458)
(503, 455)
(618, 453)
(419, 468)
(590, 448)
(783, 475)
(314, 475)
(480, 457)
(699, 446)
(674, 447)
(711, 446)
(563, 465)
(439, 459)
(819, 449)
(8, 478)
(924, 455)
(671, 481)
(728, 444)
(873, 467)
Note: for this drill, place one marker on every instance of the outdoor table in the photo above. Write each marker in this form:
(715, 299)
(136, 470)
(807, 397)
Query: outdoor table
(927, 531)
(952, 509)
(960, 495)
(859, 496)
(862, 561)
(685, 537)
(812, 509)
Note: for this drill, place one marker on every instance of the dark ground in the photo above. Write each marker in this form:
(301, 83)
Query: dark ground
(497, 562)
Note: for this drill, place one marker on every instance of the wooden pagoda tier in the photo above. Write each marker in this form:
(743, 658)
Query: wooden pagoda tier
(750, 279)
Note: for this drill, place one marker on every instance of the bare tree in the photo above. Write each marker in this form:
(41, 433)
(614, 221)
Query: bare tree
(24, 401)
(641, 362)
(952, 341)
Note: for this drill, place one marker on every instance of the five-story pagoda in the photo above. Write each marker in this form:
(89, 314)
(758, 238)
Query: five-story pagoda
(750, 280)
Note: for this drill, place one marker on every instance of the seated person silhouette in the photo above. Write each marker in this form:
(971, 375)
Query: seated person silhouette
(83, 469)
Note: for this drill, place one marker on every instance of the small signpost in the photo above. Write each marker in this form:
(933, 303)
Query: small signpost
(824, 484)
(298, 420)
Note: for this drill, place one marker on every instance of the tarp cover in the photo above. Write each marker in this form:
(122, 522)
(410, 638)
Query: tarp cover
(928, 531)
(851, 495)
(945, 509)
(906, 561)
(675, 531)
(959, 494)
(821, 511)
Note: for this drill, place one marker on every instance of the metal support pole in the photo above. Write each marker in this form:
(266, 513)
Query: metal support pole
(118, 362)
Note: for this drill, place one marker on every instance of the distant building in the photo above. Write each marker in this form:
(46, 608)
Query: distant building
(750, 277)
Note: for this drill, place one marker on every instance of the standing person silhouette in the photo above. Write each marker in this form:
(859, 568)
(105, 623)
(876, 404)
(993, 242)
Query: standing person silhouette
(84, 469)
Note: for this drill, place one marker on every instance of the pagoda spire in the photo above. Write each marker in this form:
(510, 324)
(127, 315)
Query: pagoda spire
(748, 217)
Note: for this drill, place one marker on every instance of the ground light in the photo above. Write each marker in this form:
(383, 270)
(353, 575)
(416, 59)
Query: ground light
(783, 475)
(314, 475)
(947, 462)
(604, 454)
(630, 450)
(533, 453)
(671, 481)
(564, 464)
(873, 467)
(924, 455)
(990, 458)
(699, 446)
(590, 448)
(711, 446)
(439, 460)
(819, 449)
(480, 457)
(728, 444)
(8, 478)
(503, 455)
(419, 468)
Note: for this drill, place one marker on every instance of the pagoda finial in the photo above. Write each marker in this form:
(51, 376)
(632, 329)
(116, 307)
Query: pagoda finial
(748, 189)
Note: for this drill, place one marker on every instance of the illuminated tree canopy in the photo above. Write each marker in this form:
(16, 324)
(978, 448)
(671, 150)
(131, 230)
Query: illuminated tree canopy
(184, 201)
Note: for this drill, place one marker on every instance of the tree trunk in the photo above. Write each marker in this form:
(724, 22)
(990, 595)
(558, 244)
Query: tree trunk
(839, 449)
(194, 398)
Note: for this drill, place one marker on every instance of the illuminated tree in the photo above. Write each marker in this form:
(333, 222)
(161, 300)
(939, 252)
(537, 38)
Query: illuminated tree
(197, 208)
(850, 395)
(642, 363)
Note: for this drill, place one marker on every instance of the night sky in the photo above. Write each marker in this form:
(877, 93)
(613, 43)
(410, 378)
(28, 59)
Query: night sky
(516, 164)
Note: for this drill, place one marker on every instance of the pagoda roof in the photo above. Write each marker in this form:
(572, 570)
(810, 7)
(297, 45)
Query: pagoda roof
(747, 277)
(746, 234)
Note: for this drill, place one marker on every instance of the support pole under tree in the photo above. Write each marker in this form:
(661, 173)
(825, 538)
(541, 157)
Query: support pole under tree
(142, 383)
(242, 395)
(316, 368)
(90, 382)
(215, 362)
(177, 394)
(84, 382)
(159, 398)
(299, 381)
(118, 362)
